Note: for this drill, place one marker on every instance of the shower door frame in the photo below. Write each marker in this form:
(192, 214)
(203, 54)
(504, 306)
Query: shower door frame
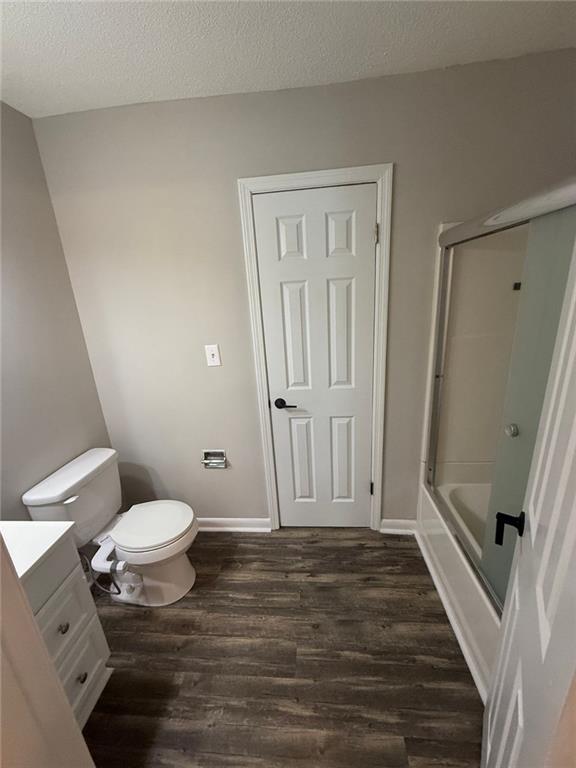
(472, 615)
(552, 200)
(440, 332)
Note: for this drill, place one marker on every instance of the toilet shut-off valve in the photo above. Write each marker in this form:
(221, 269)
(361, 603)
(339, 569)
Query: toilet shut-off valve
(101, 563)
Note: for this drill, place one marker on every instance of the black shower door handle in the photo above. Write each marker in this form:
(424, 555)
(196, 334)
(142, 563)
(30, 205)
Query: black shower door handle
(516, 521)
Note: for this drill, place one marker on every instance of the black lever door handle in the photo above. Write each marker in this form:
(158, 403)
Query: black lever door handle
(281, 403)
(516, 521)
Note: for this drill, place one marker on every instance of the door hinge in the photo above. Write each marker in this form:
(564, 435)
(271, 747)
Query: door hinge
(372, 488)
(377, 233)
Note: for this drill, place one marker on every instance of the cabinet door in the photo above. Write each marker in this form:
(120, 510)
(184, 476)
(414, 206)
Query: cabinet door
(65, 615)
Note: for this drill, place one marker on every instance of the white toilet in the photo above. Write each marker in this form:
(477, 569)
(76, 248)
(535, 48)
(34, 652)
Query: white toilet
(143, 549)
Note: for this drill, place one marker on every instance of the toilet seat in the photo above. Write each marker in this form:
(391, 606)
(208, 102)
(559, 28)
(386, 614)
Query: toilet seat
(152, 525)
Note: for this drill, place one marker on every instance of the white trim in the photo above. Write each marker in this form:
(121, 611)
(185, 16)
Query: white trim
(552, 199)
(470, 612)
(399, 527)
(382, 176)
(249, 240)
(239, 524)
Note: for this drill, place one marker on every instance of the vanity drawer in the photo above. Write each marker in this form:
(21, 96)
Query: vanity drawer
(84, 665)
(63, 618)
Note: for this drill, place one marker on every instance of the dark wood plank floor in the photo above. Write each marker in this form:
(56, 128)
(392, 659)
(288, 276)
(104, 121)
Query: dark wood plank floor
(304, 648)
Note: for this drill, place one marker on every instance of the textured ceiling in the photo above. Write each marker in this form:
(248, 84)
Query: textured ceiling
(69, 56)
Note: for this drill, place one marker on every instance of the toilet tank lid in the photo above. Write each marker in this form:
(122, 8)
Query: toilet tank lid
(67, 480)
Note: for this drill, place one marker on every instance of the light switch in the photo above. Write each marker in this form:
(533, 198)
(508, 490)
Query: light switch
(212, 354)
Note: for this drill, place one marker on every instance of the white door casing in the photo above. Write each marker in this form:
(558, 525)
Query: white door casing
(249, 189)
(537, 658)
(316, 260)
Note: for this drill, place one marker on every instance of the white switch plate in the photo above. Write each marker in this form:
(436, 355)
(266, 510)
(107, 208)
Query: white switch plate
(212, 354)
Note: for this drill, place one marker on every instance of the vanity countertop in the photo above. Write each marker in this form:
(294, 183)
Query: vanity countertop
(30, 542)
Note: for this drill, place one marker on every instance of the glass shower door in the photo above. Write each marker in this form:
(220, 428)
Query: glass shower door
(550, 246)
(480, 308)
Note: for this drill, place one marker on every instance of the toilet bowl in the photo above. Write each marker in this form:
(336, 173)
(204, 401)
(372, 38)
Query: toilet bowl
(143, 549)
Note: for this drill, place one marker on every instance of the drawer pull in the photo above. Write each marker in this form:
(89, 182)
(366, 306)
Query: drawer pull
(82, 678)
(63, 628)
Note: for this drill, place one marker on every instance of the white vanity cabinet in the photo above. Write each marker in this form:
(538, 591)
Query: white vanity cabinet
(47, 562)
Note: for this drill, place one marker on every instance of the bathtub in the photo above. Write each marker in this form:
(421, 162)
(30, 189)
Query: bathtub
(468, 505)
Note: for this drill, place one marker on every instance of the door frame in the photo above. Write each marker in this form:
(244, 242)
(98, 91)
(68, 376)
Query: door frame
(381, 175)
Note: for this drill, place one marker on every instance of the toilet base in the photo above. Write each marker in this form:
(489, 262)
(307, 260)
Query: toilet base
(156, 585)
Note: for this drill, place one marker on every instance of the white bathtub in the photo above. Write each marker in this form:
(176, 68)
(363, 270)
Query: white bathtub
(468, 503)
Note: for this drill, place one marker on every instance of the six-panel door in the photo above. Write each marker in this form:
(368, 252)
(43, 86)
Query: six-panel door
(316, 261)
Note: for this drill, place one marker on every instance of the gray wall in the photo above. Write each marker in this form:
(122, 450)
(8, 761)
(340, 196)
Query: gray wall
(145, 198)
(50, 407)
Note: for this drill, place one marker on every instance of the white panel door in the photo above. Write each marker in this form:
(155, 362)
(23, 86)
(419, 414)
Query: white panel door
(537, 657)
(316, 262)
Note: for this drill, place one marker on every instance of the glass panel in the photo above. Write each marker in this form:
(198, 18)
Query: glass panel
(484, 292)
(503, 297)
(550, 247)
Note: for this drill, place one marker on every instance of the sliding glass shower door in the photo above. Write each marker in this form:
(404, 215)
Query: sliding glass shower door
(501, 306)
(550, 246)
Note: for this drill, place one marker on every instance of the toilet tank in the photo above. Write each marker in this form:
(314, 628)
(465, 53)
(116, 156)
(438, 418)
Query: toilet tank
(85, 491)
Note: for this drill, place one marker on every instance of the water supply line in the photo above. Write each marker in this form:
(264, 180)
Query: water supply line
(101, 563)
(94, 577)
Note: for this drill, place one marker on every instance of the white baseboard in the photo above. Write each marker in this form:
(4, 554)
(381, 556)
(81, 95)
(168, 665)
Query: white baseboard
(237, 524)
(470, 612)
(400, 527)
